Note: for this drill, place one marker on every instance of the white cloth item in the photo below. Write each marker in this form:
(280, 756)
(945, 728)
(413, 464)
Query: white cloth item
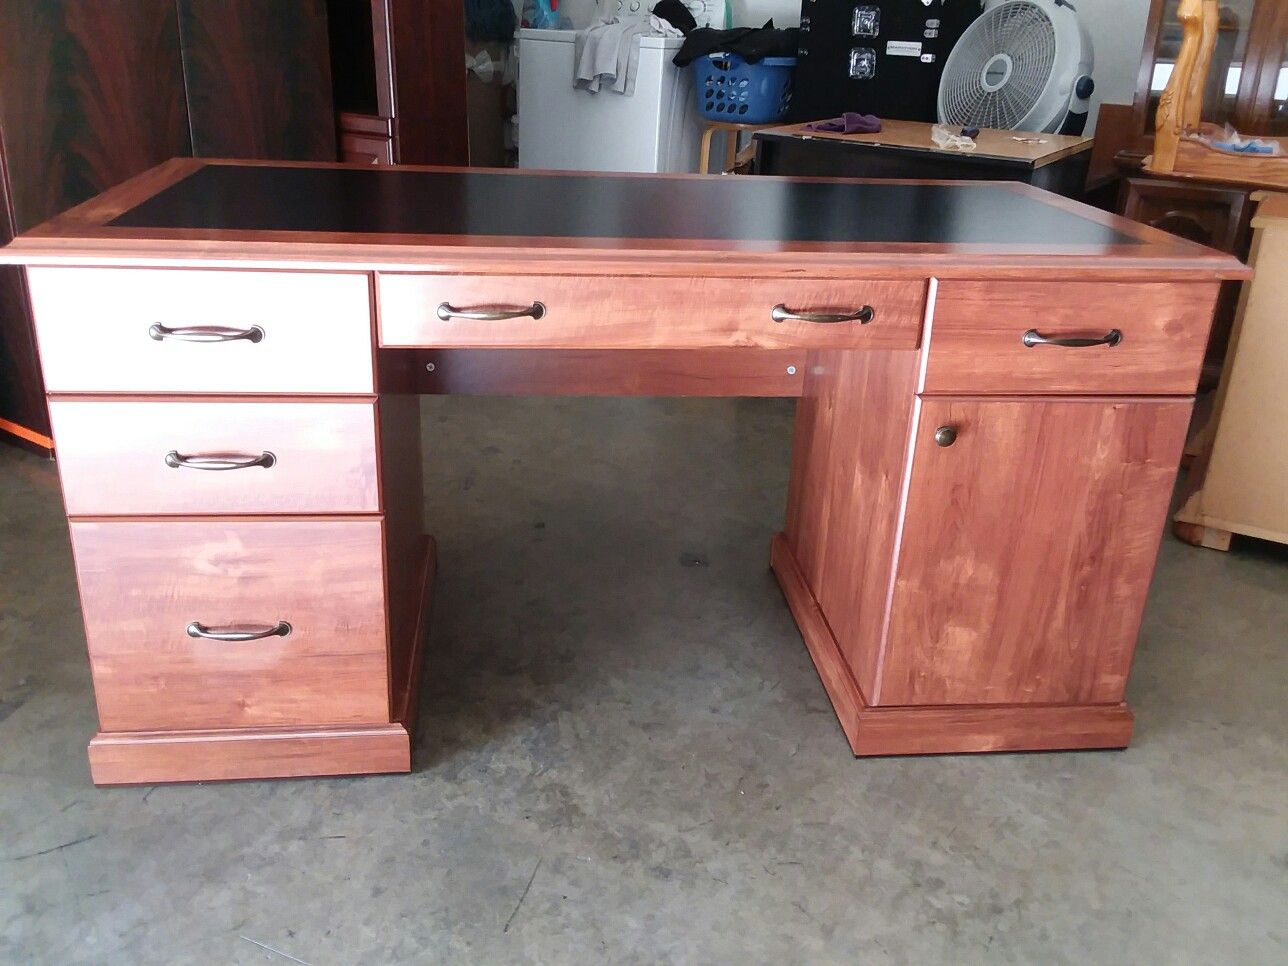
(607, 53)
(949, 141)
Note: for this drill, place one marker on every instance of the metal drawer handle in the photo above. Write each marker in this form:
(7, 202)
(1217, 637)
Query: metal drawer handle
(205, 333)
(781, 313)
(237, 633)
(176, 460)
(1034, 337)
(447, 312)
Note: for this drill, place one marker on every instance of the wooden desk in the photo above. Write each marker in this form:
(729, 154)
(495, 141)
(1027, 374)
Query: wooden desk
(232, 353)
(904, 149)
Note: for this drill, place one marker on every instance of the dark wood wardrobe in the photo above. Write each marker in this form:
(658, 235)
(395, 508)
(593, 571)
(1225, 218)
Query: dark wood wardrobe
(94, 91)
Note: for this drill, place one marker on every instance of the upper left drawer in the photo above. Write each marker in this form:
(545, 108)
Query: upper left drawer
(195, 331)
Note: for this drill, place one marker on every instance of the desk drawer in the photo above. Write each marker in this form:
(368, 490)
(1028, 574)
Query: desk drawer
(143, 457)
(601, 312)
(112, 330)
(144, 583)
(977, 339)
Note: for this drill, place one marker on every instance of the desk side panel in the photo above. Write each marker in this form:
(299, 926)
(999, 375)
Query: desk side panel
(852, 431)
(409, 556)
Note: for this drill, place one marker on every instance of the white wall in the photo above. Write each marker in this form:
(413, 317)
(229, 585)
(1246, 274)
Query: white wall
(1117, 29)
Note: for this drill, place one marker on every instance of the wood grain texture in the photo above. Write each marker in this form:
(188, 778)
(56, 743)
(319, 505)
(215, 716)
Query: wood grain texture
(92, 94)
(976, 346)
(111, 456)
(258, 78)
(373, 125)
(843, 504)
(639, 313)
(1027, 549)
(366, 148)
(592, 372)
(1213, 215)
(199, 756)
(915, 136)
(975, 730)
(409, 556)
(143, 582)
(873, 731)
(93, 326)
(427, 48)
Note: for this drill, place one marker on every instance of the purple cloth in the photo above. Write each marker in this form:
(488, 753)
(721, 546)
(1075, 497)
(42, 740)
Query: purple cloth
(847, 123)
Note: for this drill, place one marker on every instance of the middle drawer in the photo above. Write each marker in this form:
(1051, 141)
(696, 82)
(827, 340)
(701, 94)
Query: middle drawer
(632, 312)
(195, 457)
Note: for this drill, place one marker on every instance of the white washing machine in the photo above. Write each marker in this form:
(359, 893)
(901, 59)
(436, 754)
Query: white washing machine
(657, 128)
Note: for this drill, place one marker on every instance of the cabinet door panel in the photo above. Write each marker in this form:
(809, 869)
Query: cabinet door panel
(1028, 548)
(258, 79)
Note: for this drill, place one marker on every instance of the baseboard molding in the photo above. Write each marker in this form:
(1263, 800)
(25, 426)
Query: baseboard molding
(937, 730)
(134, 758)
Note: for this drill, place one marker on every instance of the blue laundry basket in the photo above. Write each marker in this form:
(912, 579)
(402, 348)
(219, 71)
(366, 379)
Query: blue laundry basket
(730, 89)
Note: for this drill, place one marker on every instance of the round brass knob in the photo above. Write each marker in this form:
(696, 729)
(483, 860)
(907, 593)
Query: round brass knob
(945, 436)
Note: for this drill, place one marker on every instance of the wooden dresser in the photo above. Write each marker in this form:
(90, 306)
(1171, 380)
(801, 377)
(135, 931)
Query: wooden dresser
(1239, 483)
(994, 386)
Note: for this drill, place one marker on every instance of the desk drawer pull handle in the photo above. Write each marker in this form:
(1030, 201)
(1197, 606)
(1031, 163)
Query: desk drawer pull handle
(1034, 337)
(781, 313)
(205, 333)
(237, 634)
(447, 312)
(176, 460)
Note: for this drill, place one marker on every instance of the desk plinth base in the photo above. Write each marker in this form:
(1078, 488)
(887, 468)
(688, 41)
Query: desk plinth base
(937, 729)
(146, 758)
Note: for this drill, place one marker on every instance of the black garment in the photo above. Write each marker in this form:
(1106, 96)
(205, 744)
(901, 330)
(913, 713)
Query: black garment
(676, 14)
(752, 44)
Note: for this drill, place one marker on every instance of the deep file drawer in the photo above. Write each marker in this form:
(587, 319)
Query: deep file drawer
(145, 457)
(632, 312)
(165, 601)
(202, 331)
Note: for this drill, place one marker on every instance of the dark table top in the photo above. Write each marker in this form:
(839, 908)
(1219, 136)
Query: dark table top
(739, 209)
(191, 211)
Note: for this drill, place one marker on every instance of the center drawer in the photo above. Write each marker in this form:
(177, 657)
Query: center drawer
(163, 600)
(631, 312)
(119, 457)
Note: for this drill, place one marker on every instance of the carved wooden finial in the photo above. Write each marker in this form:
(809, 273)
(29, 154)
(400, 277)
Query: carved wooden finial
(1180, 108)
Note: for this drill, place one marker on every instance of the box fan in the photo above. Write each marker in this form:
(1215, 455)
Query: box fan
(1023, 65)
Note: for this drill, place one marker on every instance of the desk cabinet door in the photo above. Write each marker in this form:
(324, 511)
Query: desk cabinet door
(1028, 545)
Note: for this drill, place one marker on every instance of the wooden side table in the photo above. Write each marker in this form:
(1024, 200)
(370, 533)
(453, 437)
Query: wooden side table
(904, 149)
(731, 143)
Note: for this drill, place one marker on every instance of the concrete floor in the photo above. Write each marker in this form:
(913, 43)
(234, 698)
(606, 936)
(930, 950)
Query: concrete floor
(627, 757)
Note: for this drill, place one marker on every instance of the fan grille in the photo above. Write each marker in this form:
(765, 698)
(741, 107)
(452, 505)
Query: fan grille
(985, 89)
